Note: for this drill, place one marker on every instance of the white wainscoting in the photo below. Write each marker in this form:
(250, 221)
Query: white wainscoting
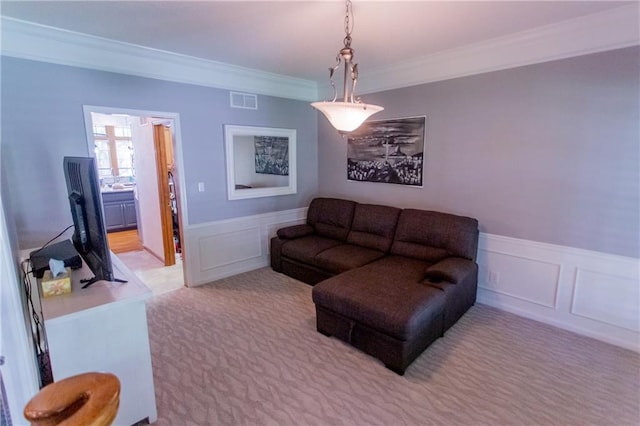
(590, 293)
(228, 247)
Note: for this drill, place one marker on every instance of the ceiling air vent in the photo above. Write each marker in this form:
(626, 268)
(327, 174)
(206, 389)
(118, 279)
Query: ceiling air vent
(244, 100)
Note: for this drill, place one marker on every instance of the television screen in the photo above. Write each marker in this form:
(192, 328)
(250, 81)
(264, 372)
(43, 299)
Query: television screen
(90, 236)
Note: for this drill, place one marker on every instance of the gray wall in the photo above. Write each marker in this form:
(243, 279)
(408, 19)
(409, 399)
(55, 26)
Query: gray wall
(548, 152)
(42, 121)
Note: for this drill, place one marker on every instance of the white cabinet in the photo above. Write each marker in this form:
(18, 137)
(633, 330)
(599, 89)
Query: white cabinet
(104, 328)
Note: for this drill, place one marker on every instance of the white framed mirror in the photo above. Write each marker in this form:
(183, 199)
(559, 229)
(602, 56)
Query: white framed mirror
(261, 161)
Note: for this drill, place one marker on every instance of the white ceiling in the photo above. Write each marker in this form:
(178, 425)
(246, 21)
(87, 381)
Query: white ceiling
(301, 38)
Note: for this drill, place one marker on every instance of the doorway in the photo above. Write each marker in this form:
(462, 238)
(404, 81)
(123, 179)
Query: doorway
(138, 155)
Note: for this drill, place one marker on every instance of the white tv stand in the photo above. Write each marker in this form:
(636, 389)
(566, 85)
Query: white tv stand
(103, 328)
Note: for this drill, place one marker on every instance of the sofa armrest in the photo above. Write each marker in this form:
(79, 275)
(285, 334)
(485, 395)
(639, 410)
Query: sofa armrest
(451, 269)
(295, 231)
(276, 253)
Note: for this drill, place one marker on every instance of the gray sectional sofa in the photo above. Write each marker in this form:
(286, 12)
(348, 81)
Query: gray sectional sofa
(388, 281)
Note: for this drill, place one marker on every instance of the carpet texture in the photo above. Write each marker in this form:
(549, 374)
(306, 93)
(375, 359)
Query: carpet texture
(244, 351)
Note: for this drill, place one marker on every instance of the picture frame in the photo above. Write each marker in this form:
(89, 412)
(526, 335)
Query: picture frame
(388, 151)
(253, 174)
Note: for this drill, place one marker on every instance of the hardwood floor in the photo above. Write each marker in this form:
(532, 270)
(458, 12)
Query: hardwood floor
(124, 241)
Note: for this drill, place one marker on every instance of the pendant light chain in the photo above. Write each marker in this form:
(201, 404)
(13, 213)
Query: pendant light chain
(348, 24)
(348, 113)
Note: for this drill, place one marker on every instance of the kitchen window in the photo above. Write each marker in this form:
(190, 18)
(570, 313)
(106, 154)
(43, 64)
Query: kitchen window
(114, 151)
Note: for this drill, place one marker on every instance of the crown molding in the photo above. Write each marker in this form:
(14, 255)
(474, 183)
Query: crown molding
(608, 30)
(27, 40)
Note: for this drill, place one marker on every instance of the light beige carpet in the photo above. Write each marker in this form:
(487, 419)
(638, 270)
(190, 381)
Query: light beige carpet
(244, 351)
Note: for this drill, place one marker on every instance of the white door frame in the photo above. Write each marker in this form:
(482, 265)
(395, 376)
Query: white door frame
(182, 210)
(19, 370)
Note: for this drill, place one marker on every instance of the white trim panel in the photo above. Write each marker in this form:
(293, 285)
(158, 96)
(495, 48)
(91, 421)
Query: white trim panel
(537, 280)
(27, 40)
(19, 371)
(599, 32)
(606, 298)
(608, 30)
(239, 246)
(590, 293)
(232, 246)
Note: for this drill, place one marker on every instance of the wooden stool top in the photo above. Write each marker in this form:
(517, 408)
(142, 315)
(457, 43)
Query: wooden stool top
(89, 399)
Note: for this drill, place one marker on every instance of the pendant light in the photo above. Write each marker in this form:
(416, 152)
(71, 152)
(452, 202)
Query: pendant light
(349, 113)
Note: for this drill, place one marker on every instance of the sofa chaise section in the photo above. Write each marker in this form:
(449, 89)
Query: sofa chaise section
(387, 281)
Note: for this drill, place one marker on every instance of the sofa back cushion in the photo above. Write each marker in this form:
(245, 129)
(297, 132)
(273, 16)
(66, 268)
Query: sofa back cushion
(373, 226)
(331, 217)
(433, 236)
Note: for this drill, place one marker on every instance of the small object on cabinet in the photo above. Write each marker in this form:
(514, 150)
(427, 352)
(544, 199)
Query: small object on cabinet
(55, 286)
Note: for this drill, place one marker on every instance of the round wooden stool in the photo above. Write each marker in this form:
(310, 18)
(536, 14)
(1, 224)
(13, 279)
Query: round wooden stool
(86, 399)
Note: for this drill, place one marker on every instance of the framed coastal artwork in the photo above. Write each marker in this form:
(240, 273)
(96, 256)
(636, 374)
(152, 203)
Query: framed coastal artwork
(387, 151)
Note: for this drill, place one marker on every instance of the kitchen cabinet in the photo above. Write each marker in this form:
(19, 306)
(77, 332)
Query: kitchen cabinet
(119, 210)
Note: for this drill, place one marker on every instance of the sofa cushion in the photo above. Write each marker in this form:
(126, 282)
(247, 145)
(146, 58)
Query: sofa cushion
(373, 226)
(345, 257)
(418, 251)
(306, 249)
(432, 236)
(331, 217)
(397, 268)
(374, 295)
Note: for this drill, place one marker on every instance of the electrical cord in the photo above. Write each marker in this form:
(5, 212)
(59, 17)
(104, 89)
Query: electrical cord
(53, 239)
(38, 334)
(28, 292)
(37, 326)
(37, 338)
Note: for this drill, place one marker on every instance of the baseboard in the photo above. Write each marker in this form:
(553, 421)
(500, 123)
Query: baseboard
(153, 253)
(591, 293)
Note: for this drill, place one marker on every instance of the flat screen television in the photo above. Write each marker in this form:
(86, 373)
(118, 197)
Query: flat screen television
(89, 236)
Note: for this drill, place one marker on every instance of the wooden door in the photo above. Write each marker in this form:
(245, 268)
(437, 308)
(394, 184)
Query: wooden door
(162, 137)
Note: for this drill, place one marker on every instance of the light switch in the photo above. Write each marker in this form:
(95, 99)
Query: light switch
(200, 186)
